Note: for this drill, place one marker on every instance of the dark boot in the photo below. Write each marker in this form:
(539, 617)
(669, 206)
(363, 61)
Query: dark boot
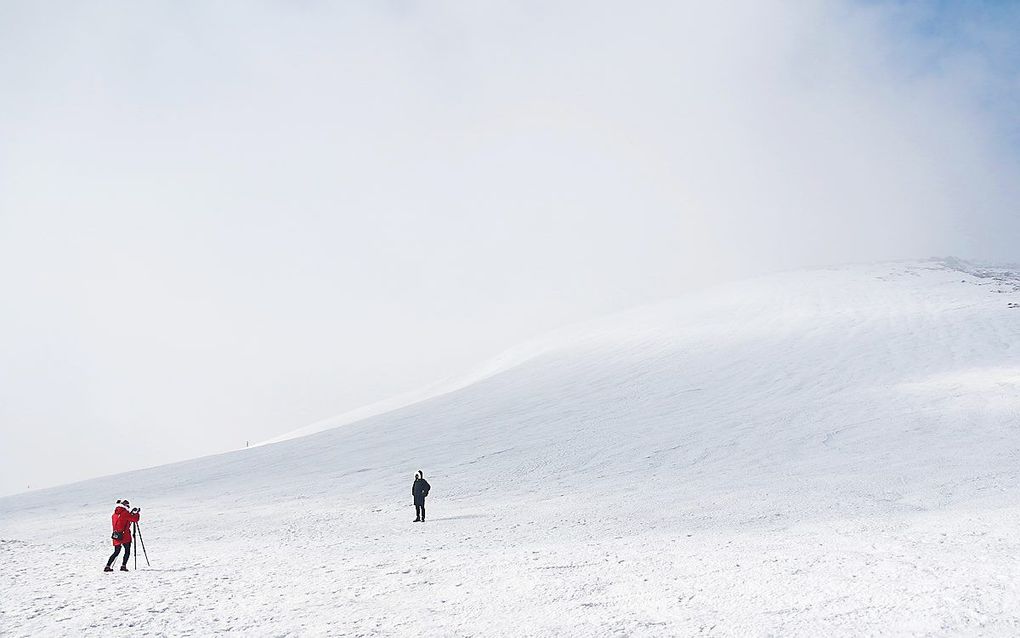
(123, 568)
(107, 569)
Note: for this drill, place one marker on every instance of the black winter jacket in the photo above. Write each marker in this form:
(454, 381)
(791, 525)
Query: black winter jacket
(420, 490)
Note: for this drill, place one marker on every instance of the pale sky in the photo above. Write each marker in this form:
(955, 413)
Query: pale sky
(221, 221)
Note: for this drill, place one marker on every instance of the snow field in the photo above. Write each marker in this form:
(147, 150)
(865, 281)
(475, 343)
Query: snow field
(487, 572)
(830, 452)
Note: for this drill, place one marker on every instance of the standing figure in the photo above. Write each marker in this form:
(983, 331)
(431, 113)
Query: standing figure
(419, 490)
(122, 519)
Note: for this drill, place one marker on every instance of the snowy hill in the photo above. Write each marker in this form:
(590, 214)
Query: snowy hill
(833, 450)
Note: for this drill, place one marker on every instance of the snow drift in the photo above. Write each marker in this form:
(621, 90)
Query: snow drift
(830, 450)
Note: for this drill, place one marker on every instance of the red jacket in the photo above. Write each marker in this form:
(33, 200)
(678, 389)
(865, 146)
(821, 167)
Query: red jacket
(122, 520)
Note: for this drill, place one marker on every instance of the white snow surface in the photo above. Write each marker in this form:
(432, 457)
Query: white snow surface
(830, 452)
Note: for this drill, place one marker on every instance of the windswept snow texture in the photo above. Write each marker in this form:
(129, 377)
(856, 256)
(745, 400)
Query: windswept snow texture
(832, 452)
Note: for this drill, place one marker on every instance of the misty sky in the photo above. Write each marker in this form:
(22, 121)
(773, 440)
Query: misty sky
(220, 221)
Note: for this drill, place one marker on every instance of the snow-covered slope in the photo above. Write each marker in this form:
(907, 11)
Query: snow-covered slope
(832, 450)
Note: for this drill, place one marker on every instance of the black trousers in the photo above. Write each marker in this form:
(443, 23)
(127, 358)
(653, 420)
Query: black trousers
(419, 511)
(116, 550)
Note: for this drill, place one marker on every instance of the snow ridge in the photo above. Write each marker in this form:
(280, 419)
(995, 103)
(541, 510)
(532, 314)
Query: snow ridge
(830, 451)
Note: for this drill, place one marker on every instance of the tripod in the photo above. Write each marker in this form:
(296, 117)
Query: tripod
(138, 533)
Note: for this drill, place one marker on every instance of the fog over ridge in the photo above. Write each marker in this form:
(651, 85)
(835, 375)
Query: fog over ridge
(221, 222)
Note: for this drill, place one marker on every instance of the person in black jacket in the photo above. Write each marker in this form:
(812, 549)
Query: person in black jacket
(419, 490)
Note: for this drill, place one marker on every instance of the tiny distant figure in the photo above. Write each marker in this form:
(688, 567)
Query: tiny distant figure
(122, 519)
(419, 490)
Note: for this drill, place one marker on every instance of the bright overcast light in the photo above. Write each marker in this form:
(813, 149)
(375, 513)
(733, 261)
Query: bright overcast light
(223, 221)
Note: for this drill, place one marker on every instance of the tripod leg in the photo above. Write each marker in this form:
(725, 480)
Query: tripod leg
(136, 551)
(138, 528)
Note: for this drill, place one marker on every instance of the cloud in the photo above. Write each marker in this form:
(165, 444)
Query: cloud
(223, 221)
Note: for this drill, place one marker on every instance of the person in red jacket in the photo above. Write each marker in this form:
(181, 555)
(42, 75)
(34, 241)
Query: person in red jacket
(122, 519)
